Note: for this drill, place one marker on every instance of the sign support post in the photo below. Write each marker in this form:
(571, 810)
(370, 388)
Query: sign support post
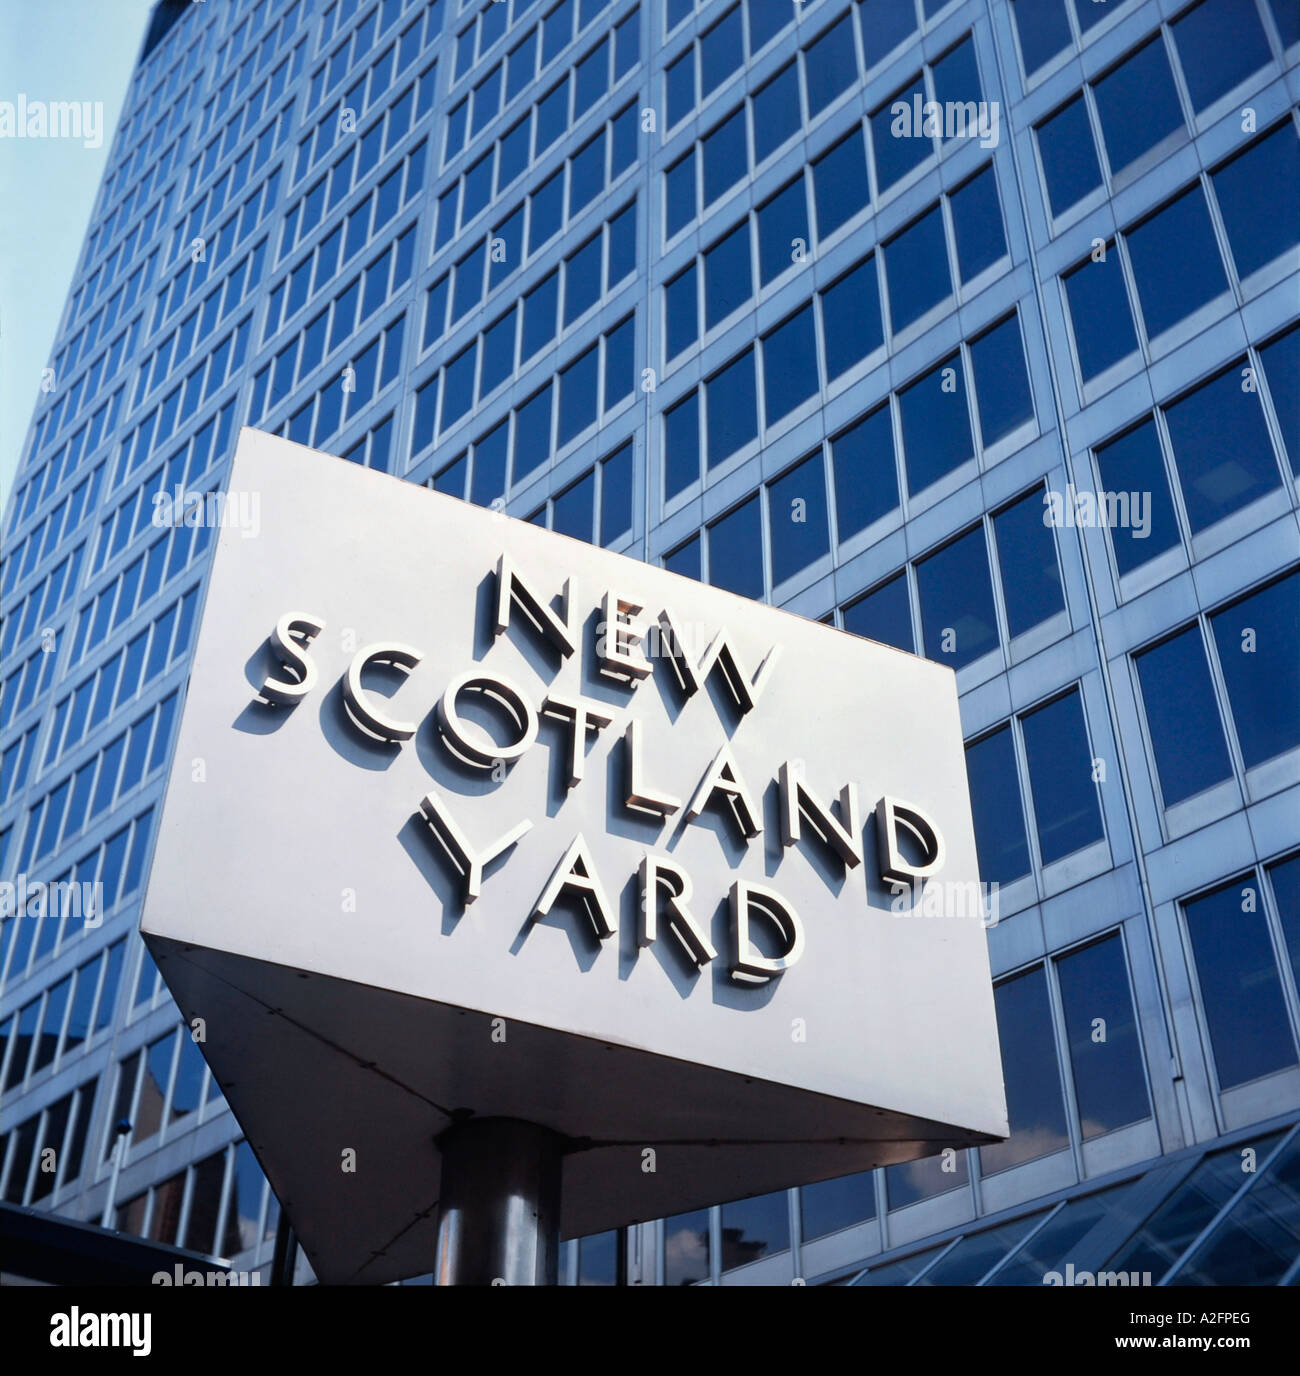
(499, 1209)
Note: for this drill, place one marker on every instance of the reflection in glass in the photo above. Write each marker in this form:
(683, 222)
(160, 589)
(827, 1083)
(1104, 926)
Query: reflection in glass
(686, 1248)
(1035, 1105)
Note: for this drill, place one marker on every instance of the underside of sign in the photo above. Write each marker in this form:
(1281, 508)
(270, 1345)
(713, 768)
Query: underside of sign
(466, 817)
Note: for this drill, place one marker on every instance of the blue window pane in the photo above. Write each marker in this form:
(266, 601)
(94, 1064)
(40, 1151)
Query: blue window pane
(1035, 1105)
(1031, 579)
(1060, 777)
(108, 995)
(572, 511)
(557, 30)
(1221, 449)
(620, 363)
(1001, 382)
(490, 466)
(736, 551)
(1043, 29)
(426, 408)
(1220, 43)
(469, 283)
(622, 246)
(512, 156)
(866, 477)
(765, 22)
(885, 24)
(1182, 717)
(616, 495)
(447, 204)
(725, 157)
(789, 366)
(727, 277)
(777, 116)
(1133, 472)
(732, 408)
(477, 190)
(578, 395)
(898, 146)
(627, 40)
(532, 434)
(451, 479)
(830, 65)
(754, 1228)
(797, 519)
(1000, 838)
(582, 279)
(851, 322)
(916, 269)
(884, 614)
(1240, 990)
(830, 1205)
(957, 83)
(541, 307)
(1251, 188)
(545, 211)
(498, 354)
(506, 248)
(521, 65)
(682, 445)
(682, 312)
(1176, 262)
(1069, 158)
(685, 559)
(458, 387)
(840, 187)
(1287, 18)
(487, 100)
(1285, 879)
(1109, 1087)
(590, 80)
(1137, 104)
(552, 117)
(956, 595)
(679, 83)
(782, 231)
(679, 195)
(1100, 314)
(722, 50)
(1281, 361)
(1259, 653)
(623, 133)
(977, 224)
(936, 426)
(586, 174)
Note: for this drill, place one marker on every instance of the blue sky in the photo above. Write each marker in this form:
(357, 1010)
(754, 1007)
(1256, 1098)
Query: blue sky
(80, 50)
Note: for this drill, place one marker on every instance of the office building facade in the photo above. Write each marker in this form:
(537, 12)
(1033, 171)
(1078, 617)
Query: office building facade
(970, 326)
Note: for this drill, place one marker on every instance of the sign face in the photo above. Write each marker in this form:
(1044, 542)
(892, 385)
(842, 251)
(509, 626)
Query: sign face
(469, 816)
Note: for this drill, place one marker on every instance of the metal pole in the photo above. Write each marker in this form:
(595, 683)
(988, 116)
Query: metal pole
(499, 1205)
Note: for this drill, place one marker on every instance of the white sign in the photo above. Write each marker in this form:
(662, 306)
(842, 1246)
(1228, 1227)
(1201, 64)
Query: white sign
(465, 815)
